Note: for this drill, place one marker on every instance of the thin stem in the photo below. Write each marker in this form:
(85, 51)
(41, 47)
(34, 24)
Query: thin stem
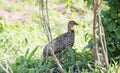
(94, 30)
(46, 27)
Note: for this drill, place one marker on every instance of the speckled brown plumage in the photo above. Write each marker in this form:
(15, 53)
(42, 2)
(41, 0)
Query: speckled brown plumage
(63, 41)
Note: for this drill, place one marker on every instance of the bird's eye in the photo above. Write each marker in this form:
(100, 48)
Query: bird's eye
(72, 23)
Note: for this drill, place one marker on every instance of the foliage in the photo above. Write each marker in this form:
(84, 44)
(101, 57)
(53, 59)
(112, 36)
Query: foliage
(111, 23)
(110, 12)
(71, 61)
(24, 64)
(75, 62)
(31, 54)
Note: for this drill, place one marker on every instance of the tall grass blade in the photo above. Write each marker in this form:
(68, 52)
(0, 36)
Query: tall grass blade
(32, 53)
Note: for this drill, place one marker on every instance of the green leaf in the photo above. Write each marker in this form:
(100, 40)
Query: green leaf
(112, 48)
(32, 53)
(86, 36)
(22, 59)
(71, 52)
(118, 46)
(1, 28)
(109, 19)
(89, 2)
(113, 15)
(112, 35)
(26, 54)
(118, 14)
(117, 32)
(109, 39)
(90, 44)
(118, 20)
(111, 27)
(26, 40)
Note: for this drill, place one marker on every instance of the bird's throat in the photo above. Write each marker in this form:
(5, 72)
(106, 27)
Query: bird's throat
(71, 28)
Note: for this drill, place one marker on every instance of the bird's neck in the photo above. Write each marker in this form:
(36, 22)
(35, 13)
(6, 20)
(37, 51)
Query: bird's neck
(70, 30)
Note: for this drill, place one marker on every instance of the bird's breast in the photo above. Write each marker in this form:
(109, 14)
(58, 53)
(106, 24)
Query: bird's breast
(69, 40)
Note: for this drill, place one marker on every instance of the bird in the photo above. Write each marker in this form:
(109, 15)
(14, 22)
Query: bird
(63, 41)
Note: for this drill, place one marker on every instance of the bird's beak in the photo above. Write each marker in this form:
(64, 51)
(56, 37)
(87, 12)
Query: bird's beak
(76, 23)
(72, 28)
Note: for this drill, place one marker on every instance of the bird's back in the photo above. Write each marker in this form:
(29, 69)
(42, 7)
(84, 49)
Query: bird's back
(63, 41)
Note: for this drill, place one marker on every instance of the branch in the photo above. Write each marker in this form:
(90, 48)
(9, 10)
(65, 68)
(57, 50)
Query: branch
(103, 42)
(46, 26)
(3, 68)
(95, 7)
(6, 69)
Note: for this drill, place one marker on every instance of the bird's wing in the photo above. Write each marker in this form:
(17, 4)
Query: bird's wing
(61, 37)
(59, 41)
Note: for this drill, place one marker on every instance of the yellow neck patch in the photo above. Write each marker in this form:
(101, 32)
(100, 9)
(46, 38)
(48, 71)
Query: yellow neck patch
(71, 28)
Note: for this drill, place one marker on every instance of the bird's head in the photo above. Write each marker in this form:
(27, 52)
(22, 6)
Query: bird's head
(71, 24)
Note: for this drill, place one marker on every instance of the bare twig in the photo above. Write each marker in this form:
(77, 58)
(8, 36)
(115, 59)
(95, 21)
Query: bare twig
(102, 40)
(46, 26)
(4, 69)
(8, 66)
(95, 6)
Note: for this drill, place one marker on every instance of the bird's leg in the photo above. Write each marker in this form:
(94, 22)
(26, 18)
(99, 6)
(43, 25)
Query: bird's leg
(58, 55)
